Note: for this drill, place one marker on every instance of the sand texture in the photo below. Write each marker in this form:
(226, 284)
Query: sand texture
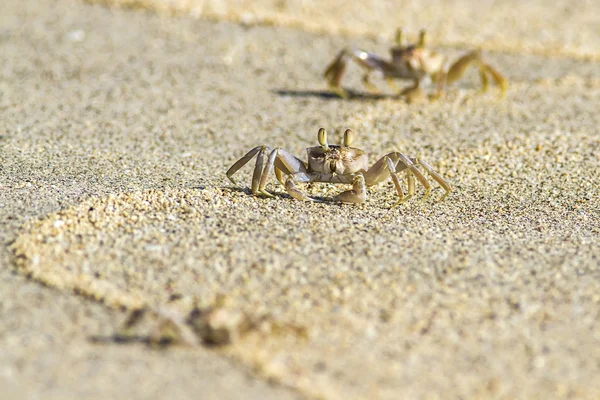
(117, 125)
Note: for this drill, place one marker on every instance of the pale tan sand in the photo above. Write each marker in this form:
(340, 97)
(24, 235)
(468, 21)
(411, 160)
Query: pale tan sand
(117, 129)
(511, 25)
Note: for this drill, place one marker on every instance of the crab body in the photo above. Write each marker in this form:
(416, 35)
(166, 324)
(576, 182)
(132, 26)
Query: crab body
(413, 62)
(335, 164)
(337, 160)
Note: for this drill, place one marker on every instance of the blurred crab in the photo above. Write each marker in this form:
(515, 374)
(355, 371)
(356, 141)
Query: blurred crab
(412, 62)
(336, 164)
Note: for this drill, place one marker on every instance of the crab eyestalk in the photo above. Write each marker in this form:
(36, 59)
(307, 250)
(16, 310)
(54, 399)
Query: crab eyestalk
(422, 38)
(322, 136)
(348, 138)
(399, 36)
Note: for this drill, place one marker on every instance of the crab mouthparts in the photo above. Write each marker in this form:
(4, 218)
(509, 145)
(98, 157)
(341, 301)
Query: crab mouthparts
(332, 165)
(332, 159)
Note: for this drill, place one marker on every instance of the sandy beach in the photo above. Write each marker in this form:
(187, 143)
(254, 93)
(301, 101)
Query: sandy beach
(118, 120)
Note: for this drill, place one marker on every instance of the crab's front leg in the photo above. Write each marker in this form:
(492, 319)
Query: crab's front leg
(358, 193)
(370, 62)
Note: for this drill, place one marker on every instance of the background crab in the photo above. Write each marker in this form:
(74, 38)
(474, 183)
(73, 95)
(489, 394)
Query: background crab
(412, 62)
(335, 164)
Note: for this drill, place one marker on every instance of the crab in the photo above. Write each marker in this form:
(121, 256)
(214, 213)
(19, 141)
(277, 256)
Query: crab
(412, 62)
(340, 164)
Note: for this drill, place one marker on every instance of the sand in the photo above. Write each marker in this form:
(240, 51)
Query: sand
(117, 129)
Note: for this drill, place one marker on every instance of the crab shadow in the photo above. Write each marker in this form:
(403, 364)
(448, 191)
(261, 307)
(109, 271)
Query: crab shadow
(280, 195)
(327, 95)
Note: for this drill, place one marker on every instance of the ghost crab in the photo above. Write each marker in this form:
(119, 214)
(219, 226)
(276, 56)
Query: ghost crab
(335, 164)
(412, 62)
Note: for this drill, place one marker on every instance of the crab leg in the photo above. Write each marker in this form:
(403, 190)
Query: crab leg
(268, 159)
(440, 77)
(259, 167)
(287, 163)
(410, 178)
(370, 87)
(437, 177)
(241, 162)
(283, 162)
(499, 80)
(292, 189)
(380, 171)
(413, 93)
(389, 166)
(279, 174)
(405, 163)
(393, 163)
(370, 62)
(458, 69)
(258, 175)
(396, 181)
